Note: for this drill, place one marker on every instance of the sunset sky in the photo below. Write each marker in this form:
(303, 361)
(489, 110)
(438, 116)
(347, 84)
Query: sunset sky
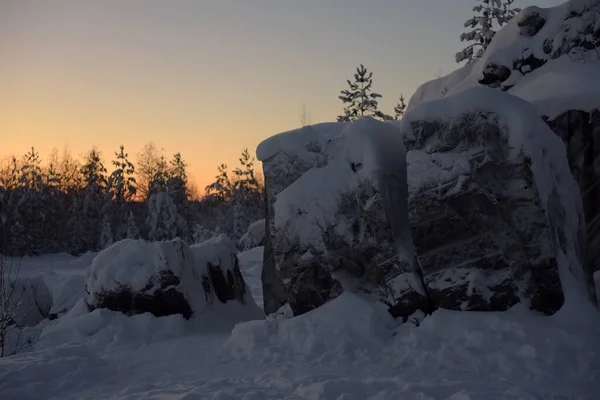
(205, 78)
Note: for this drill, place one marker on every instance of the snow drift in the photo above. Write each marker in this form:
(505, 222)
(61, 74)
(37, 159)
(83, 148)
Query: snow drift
(165, 278)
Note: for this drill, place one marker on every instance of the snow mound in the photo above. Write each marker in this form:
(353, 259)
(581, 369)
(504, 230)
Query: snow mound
(135, 276)
(544, 55)
(345, 328)
(254, 236)
(30, 301)
(527, 134)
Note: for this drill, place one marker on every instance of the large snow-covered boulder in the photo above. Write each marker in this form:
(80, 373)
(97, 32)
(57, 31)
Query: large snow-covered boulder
(165, 278)
(495, 213)
(337, 216)
(254, 236)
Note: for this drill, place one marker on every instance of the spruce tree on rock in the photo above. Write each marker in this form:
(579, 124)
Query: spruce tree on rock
(358, 99)
(400, 108)
(490, 14)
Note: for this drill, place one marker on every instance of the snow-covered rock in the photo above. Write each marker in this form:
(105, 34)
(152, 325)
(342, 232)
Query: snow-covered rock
(496, 215)
(254, 236)
(29, 301)
(164, 278)
(548, 56)
(337, 216)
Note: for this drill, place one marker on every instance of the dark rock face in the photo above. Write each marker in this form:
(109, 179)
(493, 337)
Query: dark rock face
(160, 297)
(531, 24)
(227, 284)
(580, 131)
(494, 75)
(482, 236)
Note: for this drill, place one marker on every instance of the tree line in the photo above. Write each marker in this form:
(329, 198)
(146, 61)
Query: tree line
(78, 206)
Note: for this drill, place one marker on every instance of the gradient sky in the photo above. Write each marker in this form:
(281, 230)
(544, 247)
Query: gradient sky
(206, 77)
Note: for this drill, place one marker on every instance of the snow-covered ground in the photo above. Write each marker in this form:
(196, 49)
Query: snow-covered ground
(348, 349)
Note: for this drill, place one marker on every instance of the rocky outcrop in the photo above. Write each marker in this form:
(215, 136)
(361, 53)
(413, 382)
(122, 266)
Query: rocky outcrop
(480, 230)
(580, 131)
(341, 225)
(531, 23)
(541, 35)
(166, 278)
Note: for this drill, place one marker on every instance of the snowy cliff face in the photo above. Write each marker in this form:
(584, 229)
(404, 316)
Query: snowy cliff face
(340, 223)
(495, 212)
(165, 278)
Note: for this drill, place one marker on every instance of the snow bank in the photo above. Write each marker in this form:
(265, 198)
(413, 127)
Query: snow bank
(536, 65)
(526, 133)
(345, 329)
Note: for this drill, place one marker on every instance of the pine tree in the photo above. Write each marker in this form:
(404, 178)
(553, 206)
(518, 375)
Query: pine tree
(358, 100)
(489, 13)
(121, 183)
(31, 207)
(121, 189)
(93, 174)
(158, 182)
(163, 221)
(106, 236)
(14, 242)
(132, 229)
(177, 187)
(220, 190)
(400, 108)
(75, 228)
(247, 195)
